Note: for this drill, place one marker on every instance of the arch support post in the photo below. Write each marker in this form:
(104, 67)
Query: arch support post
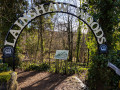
(8, 52)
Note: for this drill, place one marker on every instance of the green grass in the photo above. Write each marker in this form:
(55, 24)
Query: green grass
(5, 76)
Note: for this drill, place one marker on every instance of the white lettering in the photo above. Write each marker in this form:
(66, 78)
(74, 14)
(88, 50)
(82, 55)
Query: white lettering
(25, 17)
(51, 7)
(98, 31)
(15, 33)
(62, 7)
(101, 40)
(32, 14)
(19, 24)
(40, 9)
(9, 43)
(80, 13)
(56, 7)
(93, 24)
(89, 19)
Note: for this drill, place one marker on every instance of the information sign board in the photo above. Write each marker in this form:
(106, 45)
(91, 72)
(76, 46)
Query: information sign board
(61, 54)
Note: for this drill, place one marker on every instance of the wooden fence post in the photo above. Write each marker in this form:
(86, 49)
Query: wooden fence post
(66, 66)
(57, 66)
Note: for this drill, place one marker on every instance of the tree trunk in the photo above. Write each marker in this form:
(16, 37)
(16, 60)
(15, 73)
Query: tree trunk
(41, 43)
(50, 45)
(41, 29)
(71, 42)
(68, 31)
(78, 43)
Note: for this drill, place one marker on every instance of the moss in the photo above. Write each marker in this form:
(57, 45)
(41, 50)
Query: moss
(5, 76)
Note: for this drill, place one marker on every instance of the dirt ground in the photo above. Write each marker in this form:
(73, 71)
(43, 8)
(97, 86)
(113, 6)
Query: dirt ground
(32, 80)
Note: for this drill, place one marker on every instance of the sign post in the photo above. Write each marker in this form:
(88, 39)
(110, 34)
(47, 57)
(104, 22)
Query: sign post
(103, 49)
(9, 52)
(57, 66)
(61, 55)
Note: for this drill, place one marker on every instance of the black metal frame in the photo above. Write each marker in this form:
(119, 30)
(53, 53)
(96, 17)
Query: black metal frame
(53, 12)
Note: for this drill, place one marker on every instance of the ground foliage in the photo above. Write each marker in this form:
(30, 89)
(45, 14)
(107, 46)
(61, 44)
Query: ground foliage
(4, 67)
(38, 67)
(73, 68)
(5, 76)
(29, 66)
(101, 76)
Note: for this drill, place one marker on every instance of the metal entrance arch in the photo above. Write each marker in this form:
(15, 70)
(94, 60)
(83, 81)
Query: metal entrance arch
(46, 8)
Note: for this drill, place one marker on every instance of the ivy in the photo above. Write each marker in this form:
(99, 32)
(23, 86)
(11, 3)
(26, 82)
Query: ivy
(102, 76)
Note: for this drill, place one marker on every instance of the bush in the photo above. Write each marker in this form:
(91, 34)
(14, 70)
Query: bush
(38, 67)
(4, 67)
(103, 77)
(5, 76)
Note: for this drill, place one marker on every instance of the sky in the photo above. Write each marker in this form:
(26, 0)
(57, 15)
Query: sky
(74, 2)
(76, 24)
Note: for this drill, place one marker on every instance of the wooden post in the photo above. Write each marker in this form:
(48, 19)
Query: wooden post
(119, 85)
(57, 66)
(66, 66)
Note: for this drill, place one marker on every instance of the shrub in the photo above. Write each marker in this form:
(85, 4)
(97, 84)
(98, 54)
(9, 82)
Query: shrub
(103, 77)
(38, 67)
(5, 76)
(4, 67)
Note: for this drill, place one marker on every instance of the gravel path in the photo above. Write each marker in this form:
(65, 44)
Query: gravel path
(32, 80)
